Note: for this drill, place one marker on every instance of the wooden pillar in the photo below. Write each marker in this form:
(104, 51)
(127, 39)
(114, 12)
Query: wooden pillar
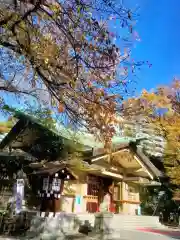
(111, 191)
(101, 192)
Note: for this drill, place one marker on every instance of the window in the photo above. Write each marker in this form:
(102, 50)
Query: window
(93, 185)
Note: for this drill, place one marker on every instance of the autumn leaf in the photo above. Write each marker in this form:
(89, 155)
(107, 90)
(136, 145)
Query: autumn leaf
(165, 99)
(61, 108)
(72, 53)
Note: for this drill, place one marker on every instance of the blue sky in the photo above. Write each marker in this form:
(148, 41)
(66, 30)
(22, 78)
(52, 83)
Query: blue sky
(158, 27)
(159, 30)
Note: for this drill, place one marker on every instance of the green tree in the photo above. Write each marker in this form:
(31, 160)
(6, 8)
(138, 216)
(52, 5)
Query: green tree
(42, 115)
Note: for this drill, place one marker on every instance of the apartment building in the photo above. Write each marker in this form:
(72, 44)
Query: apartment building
(152, 142)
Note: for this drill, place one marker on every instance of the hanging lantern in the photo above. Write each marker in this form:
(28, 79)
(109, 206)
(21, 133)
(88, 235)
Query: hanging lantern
(56, 184)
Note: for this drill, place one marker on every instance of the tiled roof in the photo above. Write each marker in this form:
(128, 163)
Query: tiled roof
(81, 137)
(85, 139)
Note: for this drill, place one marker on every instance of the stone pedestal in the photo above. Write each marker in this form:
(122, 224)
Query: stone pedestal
(103, 222)
(52, 227)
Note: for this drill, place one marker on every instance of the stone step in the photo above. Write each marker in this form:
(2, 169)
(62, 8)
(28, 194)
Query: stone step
(134, 222)
(65, 224)
(122, 226)
(119, 221)
(117, 218)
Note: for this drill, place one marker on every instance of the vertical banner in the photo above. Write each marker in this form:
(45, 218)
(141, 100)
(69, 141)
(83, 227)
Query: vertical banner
(19, 195)
(45, 184)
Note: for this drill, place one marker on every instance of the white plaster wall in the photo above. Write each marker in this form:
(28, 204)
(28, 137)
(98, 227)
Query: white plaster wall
(77, 189)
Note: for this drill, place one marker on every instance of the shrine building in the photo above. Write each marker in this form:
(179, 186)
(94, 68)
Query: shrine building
(75, 174)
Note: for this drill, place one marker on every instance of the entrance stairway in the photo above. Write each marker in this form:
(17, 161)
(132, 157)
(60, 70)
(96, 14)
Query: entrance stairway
(119, 221)
(65, 223)
(135, 222)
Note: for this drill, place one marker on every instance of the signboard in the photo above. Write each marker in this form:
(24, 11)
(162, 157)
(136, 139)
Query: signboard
(98, 151)
(19, 195)
(152, 183)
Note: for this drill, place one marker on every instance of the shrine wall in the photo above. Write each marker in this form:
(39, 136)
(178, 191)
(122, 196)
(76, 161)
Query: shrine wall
(72, 198)
(130, 198)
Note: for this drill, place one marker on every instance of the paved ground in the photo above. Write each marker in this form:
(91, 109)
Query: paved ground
(146, 234)
(172, 233)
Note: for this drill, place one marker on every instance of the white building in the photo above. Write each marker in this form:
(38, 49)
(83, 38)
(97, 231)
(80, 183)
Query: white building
(152, 142)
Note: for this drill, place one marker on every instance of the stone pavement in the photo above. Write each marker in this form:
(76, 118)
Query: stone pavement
(171, 232)
(121, 235)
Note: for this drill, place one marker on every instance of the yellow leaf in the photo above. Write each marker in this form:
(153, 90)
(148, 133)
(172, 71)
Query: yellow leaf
(61, 108)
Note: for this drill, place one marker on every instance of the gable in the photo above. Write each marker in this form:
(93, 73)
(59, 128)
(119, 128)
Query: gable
(129, 162)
